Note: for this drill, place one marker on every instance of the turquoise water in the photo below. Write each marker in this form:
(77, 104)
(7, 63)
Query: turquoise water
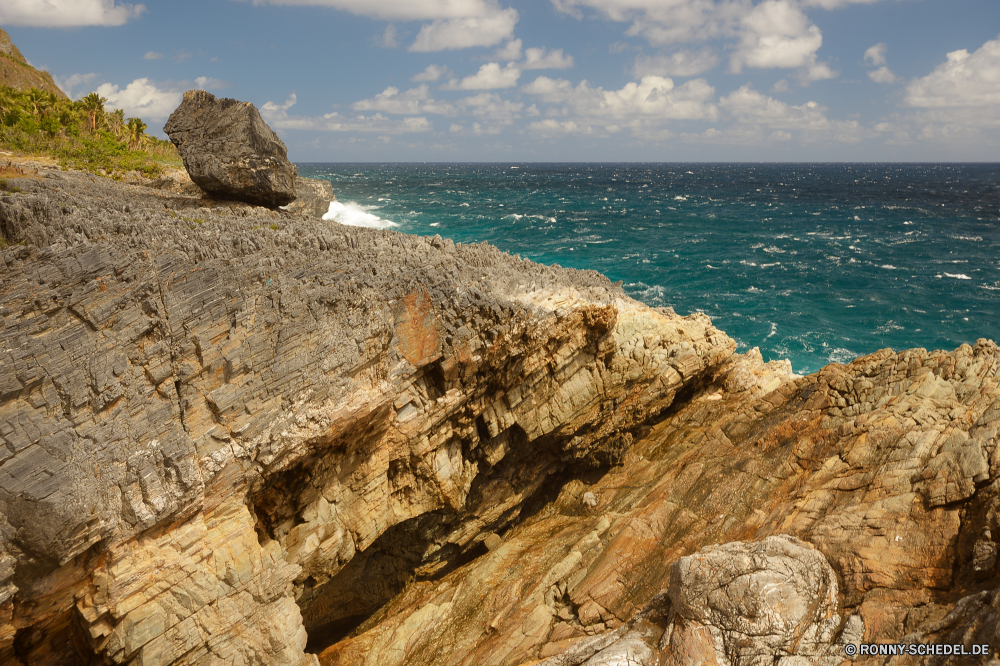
(814, 263)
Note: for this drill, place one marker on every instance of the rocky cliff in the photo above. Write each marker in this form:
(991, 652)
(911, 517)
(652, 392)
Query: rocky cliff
(883, 472)
(225, 426)
(15, 71)
(234, 435)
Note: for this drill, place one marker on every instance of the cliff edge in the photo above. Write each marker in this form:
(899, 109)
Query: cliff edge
(218, 418)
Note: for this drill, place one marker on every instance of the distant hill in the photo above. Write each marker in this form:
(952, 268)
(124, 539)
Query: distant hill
(17, 73)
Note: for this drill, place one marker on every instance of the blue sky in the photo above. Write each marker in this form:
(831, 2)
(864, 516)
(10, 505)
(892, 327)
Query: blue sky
(550, 80)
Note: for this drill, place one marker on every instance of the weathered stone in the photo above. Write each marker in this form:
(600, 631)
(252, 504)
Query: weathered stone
(777, 456)
(230, 152)
(312, 197)
(171, 362)
(224, 427)
(752, 603)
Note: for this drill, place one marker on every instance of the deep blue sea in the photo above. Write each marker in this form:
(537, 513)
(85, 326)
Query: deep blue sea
(811, 262)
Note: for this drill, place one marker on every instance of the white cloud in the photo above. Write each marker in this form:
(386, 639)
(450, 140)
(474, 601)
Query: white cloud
(277, 116)
(141, 99)
(963, 80)
(664, 22)
(66, 13)
(681, 63)
(412, 102)
(882, 75)
(489, 77)
(644, 106)
(490, 106)
(749, 107)
(776, 33)
(207, 83)
(152, 55)
(431, 73)
(876, 54)
(72, 82)
(488, 29)
(538, 58)
(400, 10)
(389, 39)
(781, 86)
(836, 4)
(550, 126)
(552, 90)
(817, 71)
(510, 51)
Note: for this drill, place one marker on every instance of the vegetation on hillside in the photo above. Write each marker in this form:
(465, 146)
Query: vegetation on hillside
(81, 134)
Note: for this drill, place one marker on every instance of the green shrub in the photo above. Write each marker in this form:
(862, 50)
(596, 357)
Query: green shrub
(81, 134)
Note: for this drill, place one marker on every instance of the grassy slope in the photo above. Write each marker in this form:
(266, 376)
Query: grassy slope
(35, 122)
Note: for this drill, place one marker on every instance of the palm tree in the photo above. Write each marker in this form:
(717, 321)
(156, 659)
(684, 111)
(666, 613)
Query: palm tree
(135, 129)
(36, 100)
(116, 123)
(7, 101)
(93, 104)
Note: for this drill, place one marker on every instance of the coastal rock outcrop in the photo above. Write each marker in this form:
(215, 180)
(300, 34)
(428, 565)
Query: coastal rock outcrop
(236, 435)
(313, 197)
(224, 426)
(230, 152)
(889, 467)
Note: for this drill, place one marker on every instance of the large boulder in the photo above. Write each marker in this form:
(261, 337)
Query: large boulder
(751, 604)
(230, 152)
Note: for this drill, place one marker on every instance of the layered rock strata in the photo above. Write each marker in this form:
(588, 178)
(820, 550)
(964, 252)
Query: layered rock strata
(889, 468)
(230, 152)
(224, 425)
(313, 197)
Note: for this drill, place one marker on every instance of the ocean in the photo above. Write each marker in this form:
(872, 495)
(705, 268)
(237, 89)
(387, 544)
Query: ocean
(816, 263)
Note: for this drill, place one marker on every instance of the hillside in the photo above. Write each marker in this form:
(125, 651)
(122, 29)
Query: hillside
(15, 72)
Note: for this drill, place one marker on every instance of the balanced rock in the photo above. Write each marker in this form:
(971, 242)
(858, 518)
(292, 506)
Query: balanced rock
(230, 152)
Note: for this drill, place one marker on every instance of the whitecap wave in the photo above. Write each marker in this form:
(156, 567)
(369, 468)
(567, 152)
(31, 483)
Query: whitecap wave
(958, 276)
(353, 215)
(842, 356)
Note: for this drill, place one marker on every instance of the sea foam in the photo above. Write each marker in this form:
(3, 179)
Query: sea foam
(353, 215)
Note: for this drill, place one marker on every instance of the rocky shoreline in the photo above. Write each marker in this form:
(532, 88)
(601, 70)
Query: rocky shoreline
(236, 435)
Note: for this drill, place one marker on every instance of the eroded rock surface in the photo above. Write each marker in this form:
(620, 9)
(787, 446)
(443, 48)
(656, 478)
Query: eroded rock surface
(230, 152)
(222, 423)
(234, 435)
(750, 604)
(887, 467)
(313, 197)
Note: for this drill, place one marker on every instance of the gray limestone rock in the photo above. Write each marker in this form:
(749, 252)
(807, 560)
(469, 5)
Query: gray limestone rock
(209, 409)
(313, 197)
(230, 152)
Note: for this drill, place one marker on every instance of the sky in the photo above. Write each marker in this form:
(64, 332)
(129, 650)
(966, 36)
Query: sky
(550, 80)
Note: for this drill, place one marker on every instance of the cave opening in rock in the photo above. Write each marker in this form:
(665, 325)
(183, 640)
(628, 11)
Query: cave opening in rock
(332, 611)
